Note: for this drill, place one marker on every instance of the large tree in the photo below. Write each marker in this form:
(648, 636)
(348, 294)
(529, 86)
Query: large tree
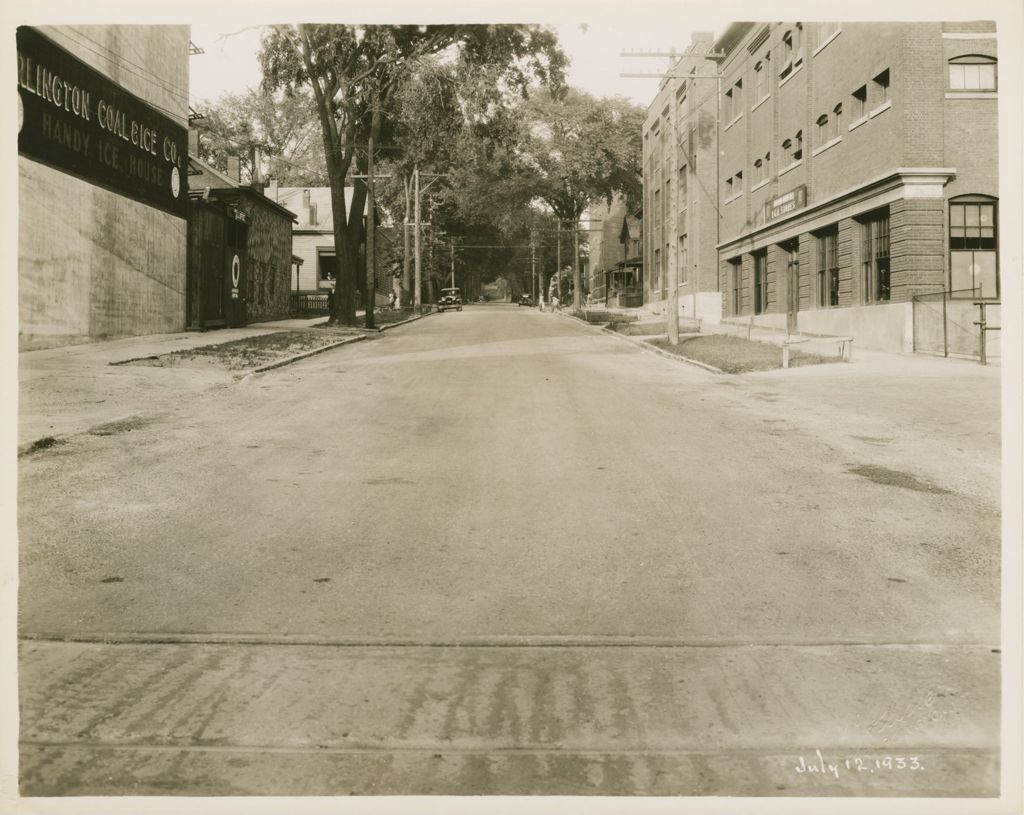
(272, 135)
(353, 73)
(578, 150)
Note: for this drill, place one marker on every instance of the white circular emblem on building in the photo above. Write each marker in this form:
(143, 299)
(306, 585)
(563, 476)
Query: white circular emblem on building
(236, 271)
(175, 182)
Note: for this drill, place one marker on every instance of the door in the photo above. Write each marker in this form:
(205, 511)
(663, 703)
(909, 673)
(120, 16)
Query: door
(235, 269)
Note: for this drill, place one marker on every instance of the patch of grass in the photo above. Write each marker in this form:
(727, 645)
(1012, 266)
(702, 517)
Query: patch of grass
(251, 352)
(735, 355)
(614, 318)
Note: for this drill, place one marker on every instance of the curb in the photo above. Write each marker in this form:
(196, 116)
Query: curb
(648, 347)
(667, 354)
(282, 362)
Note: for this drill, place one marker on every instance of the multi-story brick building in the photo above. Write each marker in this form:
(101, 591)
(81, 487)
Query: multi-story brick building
(858, 169)
(680, 146)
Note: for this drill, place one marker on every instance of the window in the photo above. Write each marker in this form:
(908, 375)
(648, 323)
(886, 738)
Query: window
(760, 82)
(798, 146)
(767, 166)
(682, 187)
(824, 129)
(327, 265)
(787, 55)
(828, 268)
(738, 98)
(973, 254)
(738, 187)
(882, 88)
(728, 189)
(859, 103)
(760, 282)
(787, 149)
(837, 119)
(972, 73)
(684, 260)
(758, 171)
(875, 258)
(826, 31)
(727, 106)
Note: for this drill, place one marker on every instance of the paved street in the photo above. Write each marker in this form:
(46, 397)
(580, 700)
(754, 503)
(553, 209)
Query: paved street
(501, 552)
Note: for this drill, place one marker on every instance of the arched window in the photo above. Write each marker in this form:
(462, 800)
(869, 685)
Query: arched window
(823, 129)
(973, 246)
(972, 73)
(798, 152)
(760, 82)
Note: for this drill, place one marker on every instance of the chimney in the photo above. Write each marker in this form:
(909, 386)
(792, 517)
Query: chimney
(305, 198)
(193, 142)
(271, 191)
(257, 161)
(234, 169)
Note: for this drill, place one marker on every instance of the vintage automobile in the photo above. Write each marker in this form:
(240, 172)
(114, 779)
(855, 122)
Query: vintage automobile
(450, 299)
(525, 300)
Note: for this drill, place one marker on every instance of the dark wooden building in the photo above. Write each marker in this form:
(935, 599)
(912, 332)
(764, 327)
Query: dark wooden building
(239, 252)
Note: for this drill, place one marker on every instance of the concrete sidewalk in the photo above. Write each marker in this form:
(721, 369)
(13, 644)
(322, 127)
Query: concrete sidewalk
(67, 390)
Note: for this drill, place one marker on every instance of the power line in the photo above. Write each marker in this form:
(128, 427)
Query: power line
(122, 61)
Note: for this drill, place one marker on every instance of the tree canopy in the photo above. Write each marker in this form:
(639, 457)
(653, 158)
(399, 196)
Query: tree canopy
(354, 74)
(276, 131)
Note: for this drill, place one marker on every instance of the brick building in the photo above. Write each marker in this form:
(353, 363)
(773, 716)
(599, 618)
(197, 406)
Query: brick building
(680, 144)
(856, 168)
(102, 182)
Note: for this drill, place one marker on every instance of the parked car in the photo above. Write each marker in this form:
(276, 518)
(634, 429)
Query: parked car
(450, 299)
(525, 300)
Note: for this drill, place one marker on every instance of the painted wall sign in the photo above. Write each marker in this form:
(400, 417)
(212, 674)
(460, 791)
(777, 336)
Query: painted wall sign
(777, 207)
(78, 121)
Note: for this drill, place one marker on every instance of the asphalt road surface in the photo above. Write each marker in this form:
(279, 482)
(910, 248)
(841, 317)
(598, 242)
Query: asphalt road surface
(500, 552)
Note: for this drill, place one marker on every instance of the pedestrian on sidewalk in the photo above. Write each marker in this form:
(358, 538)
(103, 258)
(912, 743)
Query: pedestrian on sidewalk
(540, 301)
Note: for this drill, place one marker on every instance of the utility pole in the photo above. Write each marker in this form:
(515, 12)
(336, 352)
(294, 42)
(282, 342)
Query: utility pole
(371, 258)
(416, 235)
(716, 57)
(533, 270)
(452, 243)
(577, 286)
(406, 238)
(558, 257)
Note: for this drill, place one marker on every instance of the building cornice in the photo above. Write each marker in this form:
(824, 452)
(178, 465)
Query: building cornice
(904, 182)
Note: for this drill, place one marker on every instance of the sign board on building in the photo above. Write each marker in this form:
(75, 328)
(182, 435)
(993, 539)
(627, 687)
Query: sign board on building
(76, 120)
(792, 200)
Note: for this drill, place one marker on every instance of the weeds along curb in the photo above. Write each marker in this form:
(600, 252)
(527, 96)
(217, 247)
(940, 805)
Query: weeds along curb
(282, 362)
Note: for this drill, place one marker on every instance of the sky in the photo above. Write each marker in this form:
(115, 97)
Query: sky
(592, 42)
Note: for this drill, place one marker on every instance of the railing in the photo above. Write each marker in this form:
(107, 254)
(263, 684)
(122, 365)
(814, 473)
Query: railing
(983, 329)
(310, 304)
(944, 323)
